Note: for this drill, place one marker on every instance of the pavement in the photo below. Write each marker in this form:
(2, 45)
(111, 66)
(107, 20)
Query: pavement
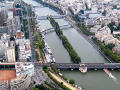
(64, 82)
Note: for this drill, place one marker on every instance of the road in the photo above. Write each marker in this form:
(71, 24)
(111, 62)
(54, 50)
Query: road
(33, 58)
(40, 77)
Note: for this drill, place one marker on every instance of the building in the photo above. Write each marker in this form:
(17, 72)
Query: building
(104, 35)
(24, 50)
(10, 81)
(21, 82)
(116, 49)
(4, 43)
(14, 25)
(24, 68)
(3, 16)
(4, 85)
(95, 28)
(10, 54)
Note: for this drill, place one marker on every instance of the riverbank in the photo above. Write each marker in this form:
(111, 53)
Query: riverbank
(107, 51)
(59, 80)
(92, 80)
(57, 9)
(39, 45)
(74, 56)
(64, 82)
(88, 38)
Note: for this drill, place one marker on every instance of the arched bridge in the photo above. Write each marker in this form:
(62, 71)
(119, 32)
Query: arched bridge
(64, 27)
(90, 66)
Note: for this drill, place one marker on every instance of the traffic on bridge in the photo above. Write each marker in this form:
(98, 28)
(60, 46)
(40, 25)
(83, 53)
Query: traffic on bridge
(90, 66)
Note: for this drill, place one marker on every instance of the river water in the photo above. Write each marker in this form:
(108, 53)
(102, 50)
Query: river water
(92, 80)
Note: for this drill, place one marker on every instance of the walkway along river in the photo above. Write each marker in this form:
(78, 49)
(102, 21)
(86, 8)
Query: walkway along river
(92, 80)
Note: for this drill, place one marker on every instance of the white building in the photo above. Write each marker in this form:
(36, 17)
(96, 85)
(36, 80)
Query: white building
(104, 35)
(24, 68)
(24, 49)
(116, 49)
(10, 54)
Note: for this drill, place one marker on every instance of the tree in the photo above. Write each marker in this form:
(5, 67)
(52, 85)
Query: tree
(34, 89)
(110, 46)
(45, 67)
(71, 81)
(61, 83)
(12, 39)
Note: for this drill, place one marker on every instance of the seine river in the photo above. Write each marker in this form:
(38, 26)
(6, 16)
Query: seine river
(92, 80)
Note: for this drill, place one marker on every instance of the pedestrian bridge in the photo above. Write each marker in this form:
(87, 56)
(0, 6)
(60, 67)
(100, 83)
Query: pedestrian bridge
(90, 66)
(64, 27)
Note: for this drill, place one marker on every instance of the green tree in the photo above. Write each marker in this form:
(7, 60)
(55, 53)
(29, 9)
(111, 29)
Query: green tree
(45, 67)
(34, 89)
(71, 81)
(110, 46)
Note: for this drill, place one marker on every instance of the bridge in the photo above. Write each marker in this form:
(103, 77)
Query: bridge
(46, 17)
(90, 66)
(68, 66)
(38, 6)
(52, 29)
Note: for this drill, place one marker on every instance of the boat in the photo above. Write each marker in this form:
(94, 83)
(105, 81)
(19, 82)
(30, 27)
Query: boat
(109, 74)
(43, 37)
(48, 54)
(83, 68)
(47, 48)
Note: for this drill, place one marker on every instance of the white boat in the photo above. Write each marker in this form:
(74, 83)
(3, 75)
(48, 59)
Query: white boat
(48, 50)
(109, 74)
(83, 68)
(48, 53)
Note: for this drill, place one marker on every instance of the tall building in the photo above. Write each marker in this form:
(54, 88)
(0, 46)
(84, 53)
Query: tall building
(21, 82)
(9, 80)
(4, 43)
(14, 25)
(10, 54)
(3, 15)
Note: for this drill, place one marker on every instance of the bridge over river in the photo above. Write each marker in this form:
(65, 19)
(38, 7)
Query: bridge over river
(90, 66)
(64, 27)
(69, 66)
(47, 17)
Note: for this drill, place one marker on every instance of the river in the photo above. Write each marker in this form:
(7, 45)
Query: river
(92, 80)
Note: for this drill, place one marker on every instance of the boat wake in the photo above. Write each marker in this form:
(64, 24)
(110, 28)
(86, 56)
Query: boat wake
(111, 76)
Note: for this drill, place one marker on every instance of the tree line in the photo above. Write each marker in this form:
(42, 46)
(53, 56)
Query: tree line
(107, 50)
(74, 56)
